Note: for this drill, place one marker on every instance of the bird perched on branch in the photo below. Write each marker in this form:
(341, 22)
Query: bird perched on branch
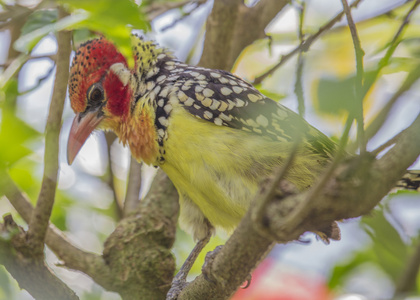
(214, 134)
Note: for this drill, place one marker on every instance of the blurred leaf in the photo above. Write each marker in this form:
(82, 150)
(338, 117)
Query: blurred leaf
(14, 133)
(342, 271)
(387, 251)
(26, 42)
(336, 96)
(5, 284)
(82, 35)
(24, 174)
(270, 94)
(59, 212)
(401, 64)
(391, 252)
(39, 19)
(12, 69)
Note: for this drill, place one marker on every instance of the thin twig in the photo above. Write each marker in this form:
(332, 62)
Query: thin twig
(300, 64)
(396, 39)
(259, 206)
(360, 74)
(305, 45)
(156, 9)
(132, 197)
(348, 194)
(40, 80)
(382, 116)
(184, 15)
(317, 188)
(39, 221)
(110, 138)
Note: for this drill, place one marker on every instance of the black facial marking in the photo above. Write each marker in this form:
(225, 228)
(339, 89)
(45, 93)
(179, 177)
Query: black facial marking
(95, 95)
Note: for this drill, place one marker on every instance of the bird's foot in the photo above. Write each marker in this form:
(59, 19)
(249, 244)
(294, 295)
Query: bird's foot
(208, 263)
(180, 280)
(178, 284)
(247, 283)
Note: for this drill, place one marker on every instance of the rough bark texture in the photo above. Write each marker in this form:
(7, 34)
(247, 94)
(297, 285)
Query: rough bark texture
(30, 272)
(232, 26)
(355, 188)
(138, 252)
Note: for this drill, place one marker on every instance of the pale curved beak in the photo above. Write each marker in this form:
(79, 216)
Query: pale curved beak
(82, 127)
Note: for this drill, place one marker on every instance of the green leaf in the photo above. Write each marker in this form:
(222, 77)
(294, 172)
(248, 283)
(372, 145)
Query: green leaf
(390, 250)
(38, 19)
(341, 272)
(5, 284)
(336, 96)
(14, 133)
(270, 94)
(26, 42)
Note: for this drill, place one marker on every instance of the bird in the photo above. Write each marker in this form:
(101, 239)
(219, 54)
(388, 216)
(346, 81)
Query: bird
(214, 134)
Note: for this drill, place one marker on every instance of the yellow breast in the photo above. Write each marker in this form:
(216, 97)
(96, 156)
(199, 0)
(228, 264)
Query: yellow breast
(219, 168)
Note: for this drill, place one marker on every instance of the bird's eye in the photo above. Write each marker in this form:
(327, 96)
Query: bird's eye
(95, 94)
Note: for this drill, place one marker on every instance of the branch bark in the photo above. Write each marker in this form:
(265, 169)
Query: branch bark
(32, 274)
(232, 26)
(39, 221)
(356, 187)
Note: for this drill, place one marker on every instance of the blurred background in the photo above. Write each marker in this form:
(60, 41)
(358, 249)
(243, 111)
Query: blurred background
(375, 250)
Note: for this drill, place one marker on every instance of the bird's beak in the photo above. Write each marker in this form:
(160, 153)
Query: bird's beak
(80, 130)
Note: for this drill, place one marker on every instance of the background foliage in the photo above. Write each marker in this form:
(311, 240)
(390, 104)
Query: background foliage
(376, 250)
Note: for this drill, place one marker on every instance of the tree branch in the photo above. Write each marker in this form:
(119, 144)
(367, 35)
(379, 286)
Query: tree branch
(138, 252)
(305, 45)
(32, 274)
(110, 137)
(229, 30)
(73, 257)
(39, 221)
(132, 197)
(356, 186)
(360, 74)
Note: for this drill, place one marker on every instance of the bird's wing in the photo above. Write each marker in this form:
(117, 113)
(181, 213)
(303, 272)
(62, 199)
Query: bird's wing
(226, 100)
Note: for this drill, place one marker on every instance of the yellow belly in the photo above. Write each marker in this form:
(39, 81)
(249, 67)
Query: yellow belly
(219, 168)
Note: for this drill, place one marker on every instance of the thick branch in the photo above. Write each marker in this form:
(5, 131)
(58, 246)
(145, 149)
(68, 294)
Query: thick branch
(32, 274)
(232, 26)
(73, 257)
(39, 221)
(138, 252)
(356, 186)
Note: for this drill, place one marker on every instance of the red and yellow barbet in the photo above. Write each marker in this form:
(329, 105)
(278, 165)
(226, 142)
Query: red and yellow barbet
(214, 134)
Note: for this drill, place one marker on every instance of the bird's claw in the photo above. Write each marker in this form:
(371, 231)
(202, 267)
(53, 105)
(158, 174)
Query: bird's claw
(208, 262)
(178, 284)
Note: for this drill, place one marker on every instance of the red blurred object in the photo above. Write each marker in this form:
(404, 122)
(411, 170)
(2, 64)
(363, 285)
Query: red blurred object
(271, 283)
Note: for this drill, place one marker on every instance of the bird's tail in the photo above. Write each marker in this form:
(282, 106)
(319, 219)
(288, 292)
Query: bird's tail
(410, 181)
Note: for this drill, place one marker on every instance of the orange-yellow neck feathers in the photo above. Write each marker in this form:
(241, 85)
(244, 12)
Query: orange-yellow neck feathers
(138, 132)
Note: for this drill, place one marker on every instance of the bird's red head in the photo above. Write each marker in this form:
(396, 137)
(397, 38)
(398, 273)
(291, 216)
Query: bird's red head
(98, 90)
